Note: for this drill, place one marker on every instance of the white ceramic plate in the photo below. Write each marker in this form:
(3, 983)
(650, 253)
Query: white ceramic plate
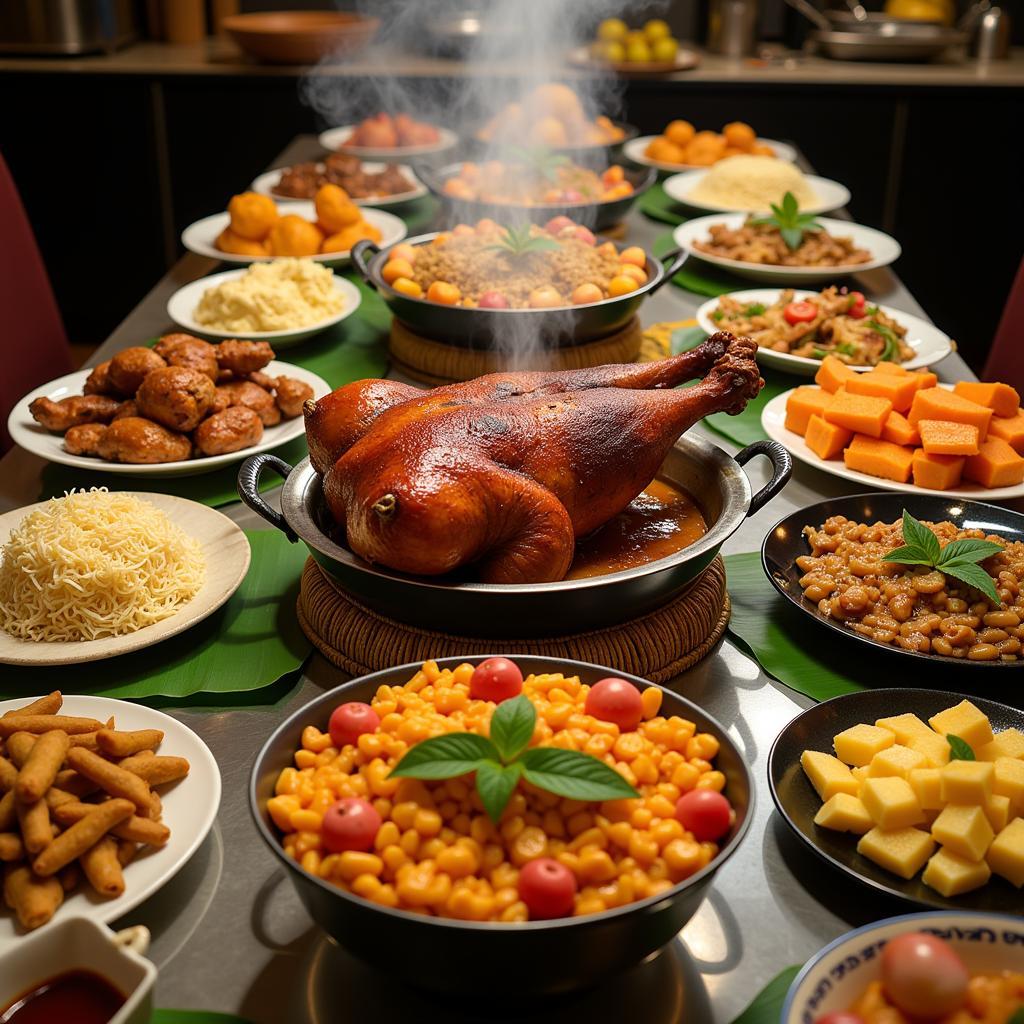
(265, 183)
(183, 303)
(227, 560)
(831, 195)
(200, 236)
(773, 419)
(636, 148)
(928, 342)
(337, 139)
(884, 250)
(32, 437)
(189, 809)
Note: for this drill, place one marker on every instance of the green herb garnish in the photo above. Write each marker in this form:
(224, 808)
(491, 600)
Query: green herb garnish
(502, 760)
(754, 309)
(792, 224)
(871, 310)
(540, 160)
(818, 353)
(958, 559)
(847, 348)
(892, 343)
(518, 241)
(717, 315)
(959, 750)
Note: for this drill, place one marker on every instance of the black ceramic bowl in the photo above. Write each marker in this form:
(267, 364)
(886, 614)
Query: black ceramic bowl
(465, 957)
(597, 216)
(486, 328)
(785, 542)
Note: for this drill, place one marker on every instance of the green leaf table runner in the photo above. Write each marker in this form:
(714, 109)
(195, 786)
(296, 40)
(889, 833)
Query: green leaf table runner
(248, 644)
(697, 277)
(767, 1005)
(657, 204)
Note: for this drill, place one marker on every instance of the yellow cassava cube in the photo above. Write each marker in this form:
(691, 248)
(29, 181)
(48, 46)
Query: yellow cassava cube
(997, 810)
(844, 813)
(891, 802)
(965, 830)
(1006, 854)
(968, 782)
(927, 786)
(1008, 780)
(860, 774)
(828, 774)
(896, 760)
(966, 721)
(858, 744)
(902, 851)
(1008, 743)
(934, 747)
(903, 727)
(952, 875)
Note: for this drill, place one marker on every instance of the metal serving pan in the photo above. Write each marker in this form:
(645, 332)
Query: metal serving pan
(892, 41)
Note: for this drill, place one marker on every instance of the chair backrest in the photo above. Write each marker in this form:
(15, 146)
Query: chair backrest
(32, 339)
(1006, 356)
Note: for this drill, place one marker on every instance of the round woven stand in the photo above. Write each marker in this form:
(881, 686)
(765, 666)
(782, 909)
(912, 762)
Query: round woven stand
(656, 646)
(433, 362)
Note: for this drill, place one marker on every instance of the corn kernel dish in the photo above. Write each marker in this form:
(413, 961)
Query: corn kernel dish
(437, 853)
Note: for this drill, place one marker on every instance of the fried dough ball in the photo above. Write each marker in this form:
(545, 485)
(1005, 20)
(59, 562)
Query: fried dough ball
(240, 357)
(739, 135)
(680, 133)
(252, 215)
(130, 367)
(557, 100)
(228, 241)
(176, 397)
(84, 439)
(760, 149)
(549, 131)
(186, 350)
(98, 381)
(228, 431)
(705, 149)
(61, 416)
(665, 151)
(290, 396)
(334, 209)
(252, 396)
(343, 240)
(142, 441)
(293, 235)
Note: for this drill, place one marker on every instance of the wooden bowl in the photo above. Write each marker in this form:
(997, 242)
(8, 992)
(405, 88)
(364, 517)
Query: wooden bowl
(301, 37)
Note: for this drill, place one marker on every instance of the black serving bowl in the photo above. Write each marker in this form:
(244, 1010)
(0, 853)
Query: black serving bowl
(712, 478)
(485, 328)
(597, 216)
(784, 543)
(464, 957)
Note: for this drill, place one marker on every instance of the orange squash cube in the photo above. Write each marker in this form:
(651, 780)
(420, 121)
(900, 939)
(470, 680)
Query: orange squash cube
(925, 379)
(943, 437)
(940, 404)
(937, 472)
(825, 439)
(995, 465)
(833, 374)
(879, 458)
(886, 367)
(1000, 398)
(898, 430)
(863, 414)
(1010, 429)
(802, 404)
(900, 390)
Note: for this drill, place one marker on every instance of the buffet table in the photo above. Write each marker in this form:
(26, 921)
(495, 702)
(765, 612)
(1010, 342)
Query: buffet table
(230, 934)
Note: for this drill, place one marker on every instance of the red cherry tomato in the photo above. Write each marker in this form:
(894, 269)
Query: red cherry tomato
(615, 700)
(349, 721)
(705, 813)
(800, 312)
(923, 976)
(585, 235)
(547, 887)
(856, 308)
(350, 824)
(840, 1017)
(496, 679)
(493, 300)
(556, 224)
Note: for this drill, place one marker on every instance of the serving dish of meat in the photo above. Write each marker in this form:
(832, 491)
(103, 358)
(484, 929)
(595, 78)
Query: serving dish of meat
(367, 183)
(180, 408)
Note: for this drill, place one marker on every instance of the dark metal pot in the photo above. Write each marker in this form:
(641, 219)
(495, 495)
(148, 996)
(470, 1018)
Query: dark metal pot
(713, 478)
(597, 216)
(487, 147)
(484, 328)
(462, 957)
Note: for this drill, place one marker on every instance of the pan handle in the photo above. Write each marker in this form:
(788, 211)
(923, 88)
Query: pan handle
(782, 470)
(249, 489)
(363, 251)
(678, 257)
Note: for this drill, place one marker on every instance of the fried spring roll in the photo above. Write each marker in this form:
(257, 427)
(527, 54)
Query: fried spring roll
(36, 832)
(55, 797)
(8, 811)
(77, 785)
(111, 778)
(11, 846)
(71, 724)
(138, 830)
(70, 845)
(48, 705)
(102, 867)
(34, 900)
(70, 876)
(41, 766)
(156, 806)
(126, 851)
(19, 746)
(8, 775)
(156, 769)
(85, 739)
(124, 744)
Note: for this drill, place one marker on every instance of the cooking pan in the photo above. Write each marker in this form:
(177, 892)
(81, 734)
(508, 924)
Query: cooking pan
(710, 476)
(597, 216)
(484, 958)
(484, 328)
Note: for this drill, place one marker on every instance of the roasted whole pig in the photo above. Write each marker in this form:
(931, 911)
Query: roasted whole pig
(505, 471)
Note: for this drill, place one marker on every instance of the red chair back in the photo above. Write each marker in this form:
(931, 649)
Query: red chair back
(34, 346)
(1006, 357)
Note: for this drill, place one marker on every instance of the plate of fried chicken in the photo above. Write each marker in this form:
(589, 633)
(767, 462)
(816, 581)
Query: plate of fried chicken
(180, 408)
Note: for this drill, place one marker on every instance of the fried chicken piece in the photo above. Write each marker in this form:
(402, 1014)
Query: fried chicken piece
(129, 368)
(242, 392)
(229, 431)
(84, 439)
(142, 441)
(129, 407)
(73, 411)
(242, 357)
(176, 397)
(186, 350)
(98, 381)
(290, 395)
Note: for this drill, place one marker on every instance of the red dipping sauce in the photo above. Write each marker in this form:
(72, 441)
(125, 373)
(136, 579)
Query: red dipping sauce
(76, 997)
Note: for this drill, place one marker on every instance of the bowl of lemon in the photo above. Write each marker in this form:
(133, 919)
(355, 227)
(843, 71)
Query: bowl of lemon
(651, 49)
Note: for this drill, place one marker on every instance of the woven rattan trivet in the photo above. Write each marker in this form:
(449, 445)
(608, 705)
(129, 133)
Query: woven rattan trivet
(656, 646)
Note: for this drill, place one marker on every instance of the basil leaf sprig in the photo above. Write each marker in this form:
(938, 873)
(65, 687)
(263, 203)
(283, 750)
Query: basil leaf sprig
(792, 224)
(958, 559)
(503, 759)
(959, 750)
(518, 241)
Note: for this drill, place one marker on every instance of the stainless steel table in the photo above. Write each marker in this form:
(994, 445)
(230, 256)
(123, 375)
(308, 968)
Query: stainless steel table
(230, 935)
